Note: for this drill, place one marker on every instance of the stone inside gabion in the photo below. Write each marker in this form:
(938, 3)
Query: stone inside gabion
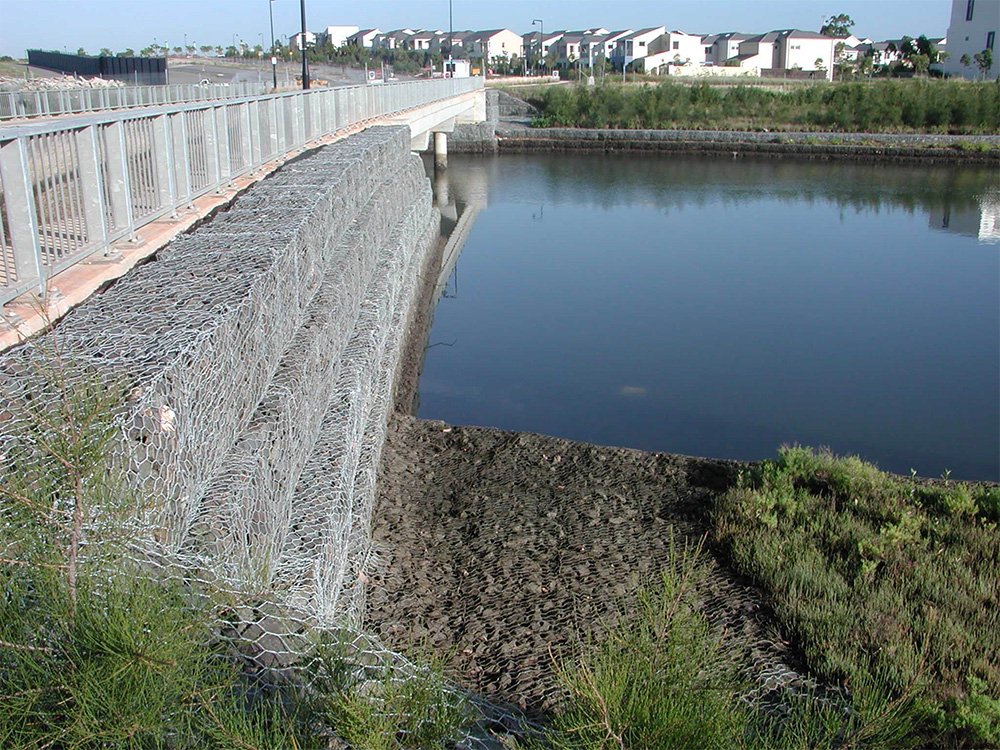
(258, 354)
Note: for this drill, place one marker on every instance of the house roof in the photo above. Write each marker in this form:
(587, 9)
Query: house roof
(644, 32)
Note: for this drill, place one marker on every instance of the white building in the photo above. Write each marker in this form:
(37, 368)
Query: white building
(496, 44)
(336, 36)
(974, 27)
(722, 47)
(684, 48)
(296, 40)
(788, 49)
(634, 47)
(364, 38)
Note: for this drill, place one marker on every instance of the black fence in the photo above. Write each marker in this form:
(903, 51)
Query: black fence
(138, 70)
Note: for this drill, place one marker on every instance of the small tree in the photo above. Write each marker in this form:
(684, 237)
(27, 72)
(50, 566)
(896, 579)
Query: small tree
(984, 61)
(82, 52)
(921, 63)
(837, 26)
(965, 60)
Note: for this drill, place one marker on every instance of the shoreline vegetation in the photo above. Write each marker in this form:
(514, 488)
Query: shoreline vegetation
(900, 107)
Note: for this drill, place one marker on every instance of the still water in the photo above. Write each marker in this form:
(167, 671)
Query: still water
(723, 307)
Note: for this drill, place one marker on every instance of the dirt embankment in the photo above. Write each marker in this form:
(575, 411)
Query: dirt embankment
(501, 552)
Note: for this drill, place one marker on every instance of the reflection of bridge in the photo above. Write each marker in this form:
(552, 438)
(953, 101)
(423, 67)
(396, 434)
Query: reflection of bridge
(81, 188)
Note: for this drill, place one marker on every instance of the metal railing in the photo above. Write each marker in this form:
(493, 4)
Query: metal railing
(71, 188)
(43, 103)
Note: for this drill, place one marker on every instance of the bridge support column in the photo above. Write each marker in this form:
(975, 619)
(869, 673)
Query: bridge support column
(440, 150)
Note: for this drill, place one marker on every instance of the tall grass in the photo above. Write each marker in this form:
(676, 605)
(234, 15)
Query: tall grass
(662, 677)
(932, 106)
(876, 574)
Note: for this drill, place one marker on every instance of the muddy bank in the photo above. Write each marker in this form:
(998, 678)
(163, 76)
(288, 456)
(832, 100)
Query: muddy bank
(500, 551)
(902, 149)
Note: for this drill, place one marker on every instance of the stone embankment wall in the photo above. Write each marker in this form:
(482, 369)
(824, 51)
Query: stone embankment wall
(985, 149)
(505, 130)
(259, 355)
(481, 137)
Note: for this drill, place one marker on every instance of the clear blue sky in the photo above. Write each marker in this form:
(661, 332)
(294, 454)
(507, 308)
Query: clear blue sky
(117, 24)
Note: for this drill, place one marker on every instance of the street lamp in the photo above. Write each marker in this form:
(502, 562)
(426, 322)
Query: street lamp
(305, 62)
(541, 39)
(274, 60)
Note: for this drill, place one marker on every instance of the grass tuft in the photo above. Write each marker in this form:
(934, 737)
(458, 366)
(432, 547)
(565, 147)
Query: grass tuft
(878, 575)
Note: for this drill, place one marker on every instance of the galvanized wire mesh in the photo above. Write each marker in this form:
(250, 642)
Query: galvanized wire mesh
(259, 355)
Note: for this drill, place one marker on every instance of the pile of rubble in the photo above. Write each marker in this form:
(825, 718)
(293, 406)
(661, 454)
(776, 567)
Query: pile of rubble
(55, 82)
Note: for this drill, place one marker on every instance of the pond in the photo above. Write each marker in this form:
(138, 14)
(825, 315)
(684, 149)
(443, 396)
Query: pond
(718, 307)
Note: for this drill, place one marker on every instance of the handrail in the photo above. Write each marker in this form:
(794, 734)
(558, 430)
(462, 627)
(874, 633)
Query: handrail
(71, 187)
(53, 102)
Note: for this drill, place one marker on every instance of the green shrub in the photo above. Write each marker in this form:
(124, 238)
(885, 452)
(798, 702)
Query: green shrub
(875, 106)
(873, 574)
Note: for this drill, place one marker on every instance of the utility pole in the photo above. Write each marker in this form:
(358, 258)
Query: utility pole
(274, 60)
(305, 62)
(451, 40)
(541, 40)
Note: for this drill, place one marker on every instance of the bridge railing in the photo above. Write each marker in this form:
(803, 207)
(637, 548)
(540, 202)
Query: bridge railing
(71, 188)
(50, 102)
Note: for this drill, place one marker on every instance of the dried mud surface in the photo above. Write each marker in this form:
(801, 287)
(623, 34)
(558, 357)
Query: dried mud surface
(500, 552)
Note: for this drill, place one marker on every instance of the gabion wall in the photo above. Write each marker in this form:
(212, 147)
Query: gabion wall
(259, 354)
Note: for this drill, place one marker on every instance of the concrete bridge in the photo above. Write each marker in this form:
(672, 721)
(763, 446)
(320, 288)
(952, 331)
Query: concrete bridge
(85, 197)
(261, 352)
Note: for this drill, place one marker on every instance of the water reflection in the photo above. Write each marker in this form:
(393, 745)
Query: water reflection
(981, 222)
(717, 307)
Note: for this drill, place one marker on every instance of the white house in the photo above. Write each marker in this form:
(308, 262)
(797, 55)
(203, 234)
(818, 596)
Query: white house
(296, 40)
(788, 49)
(722, 47)
(636, 46)
(569, 49)
(529, 42)
(336, 36)
(392, 39)
(496, 44)
(974, 27)
(684, 48)
(420, 40)
(364, 38)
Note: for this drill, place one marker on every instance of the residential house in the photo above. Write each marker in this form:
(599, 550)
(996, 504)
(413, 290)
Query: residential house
(495, 45)
(392, 39)
(530, 42)
(610, 42)
(420, 41)
(296, 39)
(632, 48)
(569, 49)
(787, 49)
(974, 28)
(683, 48)
(888, 52)
(336, 36)
(722, 47)
(363, 38)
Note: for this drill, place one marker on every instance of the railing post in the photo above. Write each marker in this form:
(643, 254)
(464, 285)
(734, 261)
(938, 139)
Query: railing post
(94, 209)
(251, 130)
(182, 157)
(119, 189)
(216, 143)
(163, 164)
(15, 177)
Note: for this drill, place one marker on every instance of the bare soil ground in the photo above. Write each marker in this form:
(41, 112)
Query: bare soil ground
(501, 553)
